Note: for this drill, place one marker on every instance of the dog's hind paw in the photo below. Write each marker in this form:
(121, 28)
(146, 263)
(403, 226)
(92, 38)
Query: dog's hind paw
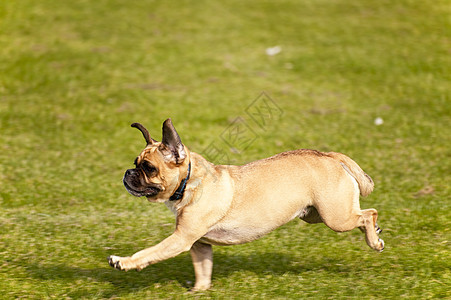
(378, 229)
(382, 245)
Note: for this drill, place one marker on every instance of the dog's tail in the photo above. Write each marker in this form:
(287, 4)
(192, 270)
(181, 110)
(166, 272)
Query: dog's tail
(366, 184)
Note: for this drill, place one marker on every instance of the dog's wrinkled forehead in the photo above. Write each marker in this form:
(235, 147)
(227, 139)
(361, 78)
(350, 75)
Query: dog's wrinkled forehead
(148, 153)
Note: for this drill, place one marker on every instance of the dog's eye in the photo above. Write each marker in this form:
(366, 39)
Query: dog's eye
(149, 169)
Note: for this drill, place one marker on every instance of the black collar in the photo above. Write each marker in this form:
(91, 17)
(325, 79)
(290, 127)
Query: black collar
(179, 192)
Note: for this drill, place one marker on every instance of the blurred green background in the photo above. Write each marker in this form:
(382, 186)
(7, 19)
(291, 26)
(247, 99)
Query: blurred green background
(75, 74)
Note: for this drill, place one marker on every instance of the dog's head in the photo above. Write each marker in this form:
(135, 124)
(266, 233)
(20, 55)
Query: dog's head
(160, 167)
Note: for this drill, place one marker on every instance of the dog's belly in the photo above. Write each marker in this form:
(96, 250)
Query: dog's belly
(240, 226)
(233, 230)
(233, 235)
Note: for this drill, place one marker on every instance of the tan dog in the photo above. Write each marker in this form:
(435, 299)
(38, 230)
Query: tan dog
(228, 205)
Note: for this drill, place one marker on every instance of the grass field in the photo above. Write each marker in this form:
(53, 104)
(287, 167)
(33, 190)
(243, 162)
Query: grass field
(75, 74)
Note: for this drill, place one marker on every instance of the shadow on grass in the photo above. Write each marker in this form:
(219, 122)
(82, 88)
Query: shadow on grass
(179, 270)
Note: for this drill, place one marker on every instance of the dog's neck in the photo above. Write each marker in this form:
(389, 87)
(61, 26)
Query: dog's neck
(178, 194)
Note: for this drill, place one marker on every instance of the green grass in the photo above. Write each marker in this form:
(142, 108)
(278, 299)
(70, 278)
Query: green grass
(75, 74)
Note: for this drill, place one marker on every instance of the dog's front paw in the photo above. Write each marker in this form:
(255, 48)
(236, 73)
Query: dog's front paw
(120, 263)
(381, 245)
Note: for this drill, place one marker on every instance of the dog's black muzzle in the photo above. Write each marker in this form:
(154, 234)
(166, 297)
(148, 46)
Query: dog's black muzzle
(133, 184)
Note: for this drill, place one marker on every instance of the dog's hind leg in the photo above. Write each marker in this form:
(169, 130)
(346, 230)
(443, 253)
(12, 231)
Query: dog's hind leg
(202, 256)
(341, 218)
(376, 227)
(343, 213)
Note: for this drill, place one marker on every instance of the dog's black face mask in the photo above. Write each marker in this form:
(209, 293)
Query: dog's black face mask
(135, 180)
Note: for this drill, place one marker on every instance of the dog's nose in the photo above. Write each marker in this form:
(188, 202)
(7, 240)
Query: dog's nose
(129, 172)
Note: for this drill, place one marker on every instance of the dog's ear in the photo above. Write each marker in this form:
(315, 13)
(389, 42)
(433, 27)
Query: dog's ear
(145, 133)
(171, 144)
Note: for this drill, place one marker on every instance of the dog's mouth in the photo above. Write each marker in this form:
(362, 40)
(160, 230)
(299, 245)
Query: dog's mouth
(149, 191)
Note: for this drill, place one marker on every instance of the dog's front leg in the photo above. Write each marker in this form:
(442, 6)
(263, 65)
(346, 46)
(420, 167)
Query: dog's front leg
(169, 247)
(202, 256)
